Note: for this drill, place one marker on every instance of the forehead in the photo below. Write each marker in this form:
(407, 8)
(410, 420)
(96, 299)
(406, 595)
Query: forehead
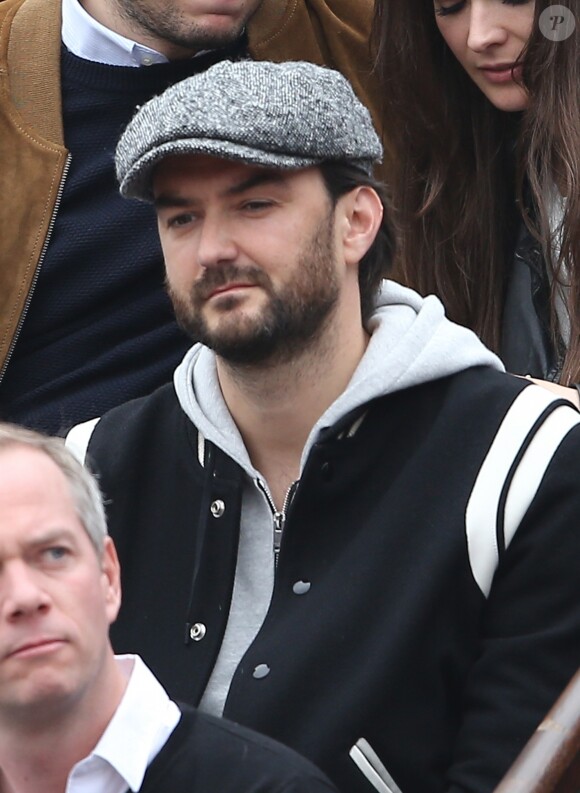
(33, 491)
(194, 171)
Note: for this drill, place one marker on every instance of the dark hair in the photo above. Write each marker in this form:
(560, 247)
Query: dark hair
(462, 167)
(339, 179)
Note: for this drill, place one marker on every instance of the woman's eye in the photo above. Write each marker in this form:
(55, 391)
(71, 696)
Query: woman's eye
(449, 9)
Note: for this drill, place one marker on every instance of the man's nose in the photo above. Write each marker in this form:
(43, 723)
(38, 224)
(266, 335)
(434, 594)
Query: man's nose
(216, 243)
(485, 27)
(21, 592)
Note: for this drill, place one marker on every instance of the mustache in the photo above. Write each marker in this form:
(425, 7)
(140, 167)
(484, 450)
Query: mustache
(218, 276)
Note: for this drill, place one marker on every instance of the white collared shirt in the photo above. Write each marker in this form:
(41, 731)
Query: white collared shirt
(88, 39)
(139, 729)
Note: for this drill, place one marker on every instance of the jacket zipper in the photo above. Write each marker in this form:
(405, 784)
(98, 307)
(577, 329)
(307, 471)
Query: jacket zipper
(279, 516)
(38, 267)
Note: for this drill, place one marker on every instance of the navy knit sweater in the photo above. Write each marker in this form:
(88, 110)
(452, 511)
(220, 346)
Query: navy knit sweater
(100, 329)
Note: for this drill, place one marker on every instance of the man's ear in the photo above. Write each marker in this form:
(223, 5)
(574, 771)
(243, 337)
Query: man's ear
(111, 579)
(362, 213)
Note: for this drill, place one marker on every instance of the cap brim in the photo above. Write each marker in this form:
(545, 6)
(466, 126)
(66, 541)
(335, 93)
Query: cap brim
(138, 181)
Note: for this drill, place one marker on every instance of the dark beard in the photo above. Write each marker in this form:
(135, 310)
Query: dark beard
(173, 27)
(293, 319)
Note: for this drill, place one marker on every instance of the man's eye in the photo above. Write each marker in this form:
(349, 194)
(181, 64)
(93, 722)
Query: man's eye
(56, 553)
(256, 205)
(180, 220)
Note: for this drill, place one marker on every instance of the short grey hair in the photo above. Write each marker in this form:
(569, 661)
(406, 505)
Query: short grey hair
(84, 490)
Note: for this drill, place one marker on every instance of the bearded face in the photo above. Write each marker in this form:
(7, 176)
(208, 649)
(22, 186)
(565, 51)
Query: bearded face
(291, 316)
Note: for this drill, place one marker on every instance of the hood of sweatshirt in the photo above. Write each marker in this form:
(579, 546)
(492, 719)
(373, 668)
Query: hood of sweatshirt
(412, 342)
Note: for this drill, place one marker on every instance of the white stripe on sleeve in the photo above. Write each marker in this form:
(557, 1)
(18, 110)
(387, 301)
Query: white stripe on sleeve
(481, 516)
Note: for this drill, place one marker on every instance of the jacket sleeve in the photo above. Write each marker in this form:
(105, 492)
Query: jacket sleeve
(530, 632)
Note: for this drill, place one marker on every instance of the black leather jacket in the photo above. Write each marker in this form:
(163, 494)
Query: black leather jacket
(526, 343)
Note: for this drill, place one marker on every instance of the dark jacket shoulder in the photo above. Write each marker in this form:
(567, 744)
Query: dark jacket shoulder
(205, 753)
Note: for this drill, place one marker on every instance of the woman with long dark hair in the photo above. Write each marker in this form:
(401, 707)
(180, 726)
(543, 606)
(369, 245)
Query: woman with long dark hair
(482, 99)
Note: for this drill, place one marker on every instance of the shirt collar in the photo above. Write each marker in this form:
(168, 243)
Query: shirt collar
(88, 39)
(139, 729)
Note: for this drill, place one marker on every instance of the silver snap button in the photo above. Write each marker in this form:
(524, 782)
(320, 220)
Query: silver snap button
(197, 631)
(217, 508)
(301, 587)
(261, 671)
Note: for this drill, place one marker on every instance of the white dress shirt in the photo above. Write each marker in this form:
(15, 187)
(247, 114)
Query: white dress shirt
(139, 729)
(88, 39)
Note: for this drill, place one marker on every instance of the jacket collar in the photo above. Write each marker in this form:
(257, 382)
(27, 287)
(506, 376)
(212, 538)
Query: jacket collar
(35, 39)
(270, 18)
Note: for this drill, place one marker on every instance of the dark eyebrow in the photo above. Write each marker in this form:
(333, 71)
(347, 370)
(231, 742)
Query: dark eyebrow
(256, 180)
(168, 201)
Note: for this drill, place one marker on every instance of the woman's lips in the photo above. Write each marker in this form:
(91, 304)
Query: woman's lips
(501, 73)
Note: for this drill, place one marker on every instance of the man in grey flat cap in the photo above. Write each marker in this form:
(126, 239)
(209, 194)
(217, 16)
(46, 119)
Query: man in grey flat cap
(337, 525)
(85, 322)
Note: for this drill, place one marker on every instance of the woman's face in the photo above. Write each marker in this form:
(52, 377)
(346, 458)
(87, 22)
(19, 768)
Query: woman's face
(486, 37)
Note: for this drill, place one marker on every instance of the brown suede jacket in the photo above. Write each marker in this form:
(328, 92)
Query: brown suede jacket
(33, 158)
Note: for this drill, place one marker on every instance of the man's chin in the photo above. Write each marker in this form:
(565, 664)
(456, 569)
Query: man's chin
(37, 702)
(240, 348)
(220, 30)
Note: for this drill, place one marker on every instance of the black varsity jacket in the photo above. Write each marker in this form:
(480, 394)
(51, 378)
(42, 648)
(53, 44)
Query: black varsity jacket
(426, 607)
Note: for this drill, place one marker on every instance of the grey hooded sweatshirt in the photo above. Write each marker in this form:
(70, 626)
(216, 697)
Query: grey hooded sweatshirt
(411, 343)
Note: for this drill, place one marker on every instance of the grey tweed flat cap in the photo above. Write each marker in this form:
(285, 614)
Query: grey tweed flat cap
(280, 115)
